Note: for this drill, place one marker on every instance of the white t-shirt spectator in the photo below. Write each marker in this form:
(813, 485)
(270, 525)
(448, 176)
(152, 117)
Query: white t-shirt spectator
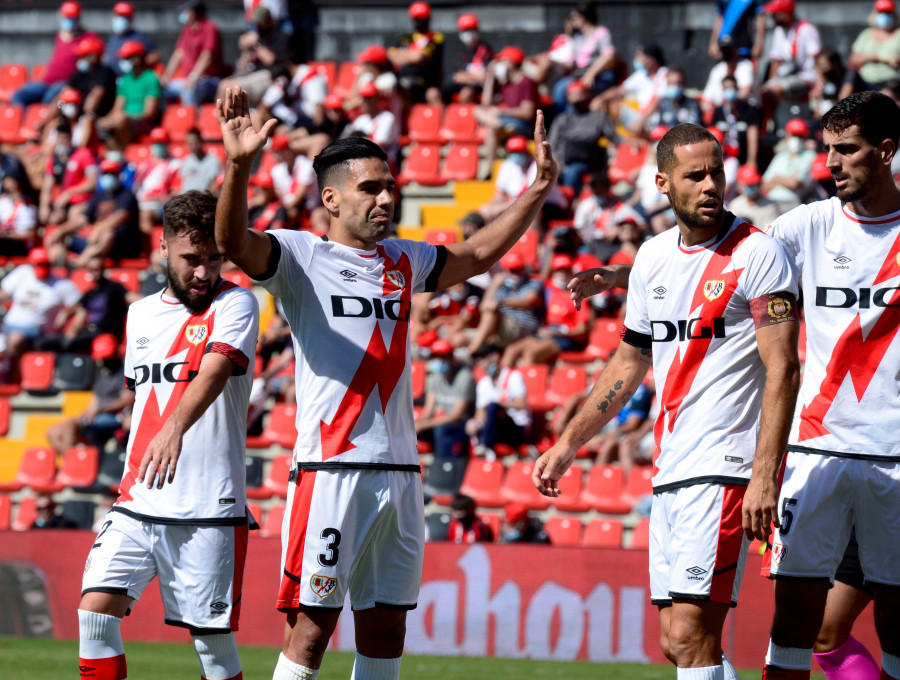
(644, 88)
(744, 73)
(306, 90)
(16, 216)
(797, 48)
(35, 302)
(383, 129)
(510, 386)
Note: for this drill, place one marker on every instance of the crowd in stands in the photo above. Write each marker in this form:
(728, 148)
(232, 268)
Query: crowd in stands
(113, 127)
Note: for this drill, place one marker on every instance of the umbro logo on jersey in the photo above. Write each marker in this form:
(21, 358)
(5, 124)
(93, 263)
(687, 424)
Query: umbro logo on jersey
(842, 262)
(348, 275)
(142, 343)
(217, 608)
(696, 573)
(660, 293)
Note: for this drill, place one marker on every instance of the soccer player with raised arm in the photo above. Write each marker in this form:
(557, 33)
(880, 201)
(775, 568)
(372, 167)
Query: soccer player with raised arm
(354, 521)
(712, 307)
(181, 515)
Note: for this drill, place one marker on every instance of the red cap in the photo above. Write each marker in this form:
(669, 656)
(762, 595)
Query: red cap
(517, 144)
(70, 96)
(104, 346)
(334, 101)
(374, 54)
(38, 256)
(467, 22)
(577, 84)
(441, 348)
(513, 54)
(717, 133)
(108, 165)
(658, 133)
(123, 9)
(886, 6)
(419, 10)
(819, 170)
(512, 262)
(797, 127)
(159, 135)
(562, 261)
(131, 48)
(427, 338)
(70, 10)
(748, 174)
(89, 45)
(263, 180)
(783, 6)
(279, 143)
(368, 90)
(516, 512)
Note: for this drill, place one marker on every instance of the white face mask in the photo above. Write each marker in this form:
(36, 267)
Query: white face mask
(884, 20)
(560, 281)
(501, 71)
(120, 24)
(69, 110)
(794, 144)
(468, 38)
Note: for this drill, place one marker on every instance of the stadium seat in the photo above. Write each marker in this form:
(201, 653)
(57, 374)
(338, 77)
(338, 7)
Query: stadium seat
(208, 124)
(627, 163)
(34, 114)
(80, 513)
(277, 479)
(137, 153)
(37, 371)
(270, 527)
(73, 372)
(238, 278)
(38, 71)
(82, 279)
(422, 166)
(10, 125)
(417, 371)
(570, 486)
(177, 120)
(602, 533)
(112, 467)
(527, 247)
(328, 69)
(346, 77)
(563, 531)
(460, 124)
(443, 478)
(255, 479)
(535, 377)
(36, 470)
(25, 514)
(441, 237)
(424, 124)
(12, 76)
(602, 342)
(5, 512)
(604, 488)
(494, 522)
(482, 483)
(126, 277)
(5, 414)
(280, 428)
(79, 469)
(437, 524)
(639, 483)
(517, 487)
(640, 536)
(564, 382)
(461, 163)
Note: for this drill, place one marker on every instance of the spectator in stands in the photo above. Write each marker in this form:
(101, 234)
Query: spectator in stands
(511, 307)
(35, 296)
(575, 137)
(876, 51)
(69, 110)
(295, 180)
(732, 63)
(138, 95)
(508, 102)
(109, 403)
(465, 526)
(419, 58)
(195, 67)
(792, 57)
(597, 214)
(466, 80)
(449, 403)
(62, 61)
(379, 125)
(156, 180)
(48, 515)
(375, 67)
(512, 178)
(739, 121)
(520, 527)
(198, 168)
(565, 328)
(750, 205)
(630, 103)
(741, 25)
(788, 174)
(262, 47)
(646, 199)
(123, 30)
(18, 215)
(335, 125)
(265, 208)
(674, 106)
(296, 97)
(100, 311)
(834, 82)
(608, 442)
(449, 312)
(69, 180)
(501, 404)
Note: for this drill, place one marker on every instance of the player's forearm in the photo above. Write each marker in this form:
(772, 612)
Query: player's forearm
(203, 391)
(232, 235)
(779, 400)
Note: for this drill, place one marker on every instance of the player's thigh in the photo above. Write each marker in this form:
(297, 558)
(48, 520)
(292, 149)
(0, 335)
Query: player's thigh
(120, 561)
(876, 509)
(843, 605)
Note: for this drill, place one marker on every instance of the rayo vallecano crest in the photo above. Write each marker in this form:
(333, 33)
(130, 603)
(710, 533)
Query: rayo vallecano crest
(395, 277)
(196, 334)
(322, 585)
(713, 289)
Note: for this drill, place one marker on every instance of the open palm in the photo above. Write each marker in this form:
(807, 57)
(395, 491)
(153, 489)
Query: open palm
(242, 141)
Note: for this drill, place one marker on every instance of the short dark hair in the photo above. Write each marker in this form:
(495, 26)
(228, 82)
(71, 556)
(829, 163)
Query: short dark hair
(588, 11)
(680, 135)
(337, 156)
(193, 131)
(875, 114)
(63, 127)
(191, 214)
(729, 78)
(463, 502)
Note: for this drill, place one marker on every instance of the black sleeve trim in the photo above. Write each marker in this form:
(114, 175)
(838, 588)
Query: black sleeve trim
(274, 259)
(712, 479)
(129, 384)
(439, 261)
(696, 598)
(635, 339)
(107, 590)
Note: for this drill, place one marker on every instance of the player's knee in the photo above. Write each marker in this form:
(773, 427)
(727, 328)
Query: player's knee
(382, 641)
(218, 656)
(664, 646)
(689, 642)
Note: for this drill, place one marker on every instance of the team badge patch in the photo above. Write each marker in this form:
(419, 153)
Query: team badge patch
(322, 586)
(395, 278)
(196, 334)
(713, 289)
(779, 552)
(779, 309)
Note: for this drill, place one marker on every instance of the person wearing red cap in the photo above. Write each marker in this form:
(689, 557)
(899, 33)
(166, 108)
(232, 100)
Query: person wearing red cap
(418, 58)
(379, 125)
(467, 75)
(787, 179)
(792, 57)
(295, 182)
(347, 300)
(70, 178)
(875, 53)
(195, 68)
(95, 81)
(62, 62)
(262, 48)
(123, 31)
(138, 99)
(156, 180)
(265, 210)
(750, 204)
(520, 527)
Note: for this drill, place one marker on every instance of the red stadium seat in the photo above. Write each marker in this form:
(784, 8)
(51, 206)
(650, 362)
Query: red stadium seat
(639, 483)
(518, 488)
(37, 470)
(460, 124)
(640, 536)
(177, 120)
(535, 377)
(604, 489)
(208, 124)
(79, 467)
(5, 413)
(565, 531)
(602, 533)
(346, 77)
(570, 486)
(128, 278)
(602, 342)
(12, 76)
(34, 114)
(527, 247)
(5, 512)
(238, 278)
(277, 479)
(25, 514)
(82, 280)
(328, 69)
(38, 71)
(281, 428)
(493, 521)
(37, 371)
(627, 163)
(137, 153)
(10, 124)
(424, 124)
(417, 370)
(441, 237)
(271, 527)
(461, 163)
(564, 382)
(482, 482)
(422, 166)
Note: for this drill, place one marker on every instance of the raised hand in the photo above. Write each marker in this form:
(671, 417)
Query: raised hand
(242, 141)
(590, 282)
(547, 168)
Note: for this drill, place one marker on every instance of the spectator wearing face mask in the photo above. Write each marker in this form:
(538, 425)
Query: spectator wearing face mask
(749, 204)
(449, 403)
(739, 121)
(468, 74)
(788, 174)
(156, 180)
(465, 526)
(138, 96)
(733, 63)
(673, 106)
(199, 167)
(512, 178)
(70, 178)
(501, 404)
(195, 67)
(876, 51)
(123, 30)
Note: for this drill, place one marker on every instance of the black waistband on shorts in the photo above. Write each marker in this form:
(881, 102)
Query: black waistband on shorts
(399, 467)
(843, 454)
(171, 521)
(711, 479)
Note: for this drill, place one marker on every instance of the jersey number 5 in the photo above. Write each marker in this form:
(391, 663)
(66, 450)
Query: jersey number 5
(330, 557)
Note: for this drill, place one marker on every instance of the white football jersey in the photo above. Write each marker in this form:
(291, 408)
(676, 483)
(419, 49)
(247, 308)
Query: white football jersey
(850, 274)
(693, 305)
(165, 343)
(349, 312)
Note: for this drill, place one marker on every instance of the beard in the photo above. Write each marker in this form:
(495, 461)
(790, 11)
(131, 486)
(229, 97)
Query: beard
(693, 219)
(194, 302)
(849, 194)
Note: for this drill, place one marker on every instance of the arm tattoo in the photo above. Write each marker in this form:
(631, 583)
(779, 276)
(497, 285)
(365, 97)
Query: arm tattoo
(603, 405)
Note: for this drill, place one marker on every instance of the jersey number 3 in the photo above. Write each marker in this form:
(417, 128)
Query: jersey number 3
(330, 557)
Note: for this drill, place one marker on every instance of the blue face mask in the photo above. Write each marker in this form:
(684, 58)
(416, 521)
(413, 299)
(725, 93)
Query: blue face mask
(83, 65)
(884, 20)
(125, 66)
(752, 191)
(159, 150)
(440, 366)
(108, 182)
(520, 158)
(638, 65)
(729, 95)
(66, 24)
(674, 92)
(183, 18)
(120, 24)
